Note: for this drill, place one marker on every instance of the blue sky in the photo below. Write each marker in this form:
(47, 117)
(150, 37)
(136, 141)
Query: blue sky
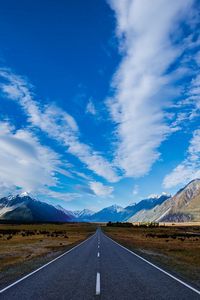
(99, 99)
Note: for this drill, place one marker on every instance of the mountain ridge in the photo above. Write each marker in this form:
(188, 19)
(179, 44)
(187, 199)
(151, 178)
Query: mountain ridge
(178, 208)
(183, 206)
(26, 208)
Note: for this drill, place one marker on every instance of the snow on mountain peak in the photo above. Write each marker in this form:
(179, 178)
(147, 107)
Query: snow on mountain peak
(24, 194)
(116, 208)
(10, 197)
(156, 196)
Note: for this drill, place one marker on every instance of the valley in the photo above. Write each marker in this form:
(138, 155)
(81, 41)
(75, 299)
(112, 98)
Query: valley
(164, 229)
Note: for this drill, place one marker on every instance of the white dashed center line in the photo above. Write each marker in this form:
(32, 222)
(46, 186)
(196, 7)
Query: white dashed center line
(98, 284)
(98, 254)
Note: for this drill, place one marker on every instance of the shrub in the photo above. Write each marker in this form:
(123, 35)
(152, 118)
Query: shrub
(119, 224)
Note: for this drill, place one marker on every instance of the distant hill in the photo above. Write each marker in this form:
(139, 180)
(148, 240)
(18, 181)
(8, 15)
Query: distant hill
(24, 208)
(183, 206)
(116, 213)
(83, 215)
(146, 204)
(112, 213)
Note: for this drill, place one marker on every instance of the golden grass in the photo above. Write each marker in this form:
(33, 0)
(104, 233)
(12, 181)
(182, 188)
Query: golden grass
(180, 224)
(176, 249)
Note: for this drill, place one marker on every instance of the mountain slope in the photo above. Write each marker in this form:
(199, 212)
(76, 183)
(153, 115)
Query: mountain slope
(183, 206)
(70, 213)
(83, 215)
(24, 208)
(112, 213)
(146, 204)
(116, 213)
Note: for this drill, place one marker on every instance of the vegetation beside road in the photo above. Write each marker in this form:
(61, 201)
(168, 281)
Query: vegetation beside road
(175, 248)
(26, 247)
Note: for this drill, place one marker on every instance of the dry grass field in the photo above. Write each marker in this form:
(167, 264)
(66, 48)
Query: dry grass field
(175, 248)
(24, 248)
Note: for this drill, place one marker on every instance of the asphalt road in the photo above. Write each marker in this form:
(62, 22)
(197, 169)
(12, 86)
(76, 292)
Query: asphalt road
(99, 269)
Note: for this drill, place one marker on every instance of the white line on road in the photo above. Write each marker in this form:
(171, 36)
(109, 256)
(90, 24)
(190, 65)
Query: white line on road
(98, 246)
(42, 267)
(163, 271)
(98, 284)
(98, 254)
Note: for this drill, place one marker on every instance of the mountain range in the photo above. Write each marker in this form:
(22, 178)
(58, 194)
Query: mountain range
(183, 206)
(24, 208)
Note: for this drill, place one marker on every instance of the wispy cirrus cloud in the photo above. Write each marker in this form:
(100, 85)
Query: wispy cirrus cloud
(188, 169)
(94, 188)
(135, 189)
(145, 87)
(55, 122)
(59, 195)
(189, 106)
(24, 163)
(99, 189)
(90, 108)
(145, 82)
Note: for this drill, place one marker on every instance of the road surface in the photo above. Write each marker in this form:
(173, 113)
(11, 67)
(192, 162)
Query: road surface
(99, 268)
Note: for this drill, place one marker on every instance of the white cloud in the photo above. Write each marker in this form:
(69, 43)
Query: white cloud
(197, 58)
(189, 107)
(64, 196)
(194, 92)
(24, 162)
(82, 175)
(100, 189)
(90, 108)
(135, 189)
(142, 87)
(189, 168)
(58, 124)
(149, 35)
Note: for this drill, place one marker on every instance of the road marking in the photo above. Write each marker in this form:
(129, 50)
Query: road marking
(42, 267)
(98, 254)
(158, 268)
(98, 284)
(98, 246)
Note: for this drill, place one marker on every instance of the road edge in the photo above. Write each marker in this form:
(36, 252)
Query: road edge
(45, 265)
(155, 266)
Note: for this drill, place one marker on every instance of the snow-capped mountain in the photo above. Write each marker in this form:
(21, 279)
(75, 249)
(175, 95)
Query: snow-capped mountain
(77, 215)
(70, 213)
(25, 208)
(111, 213)
(183, 206)
(148, 203)
(84, 214)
